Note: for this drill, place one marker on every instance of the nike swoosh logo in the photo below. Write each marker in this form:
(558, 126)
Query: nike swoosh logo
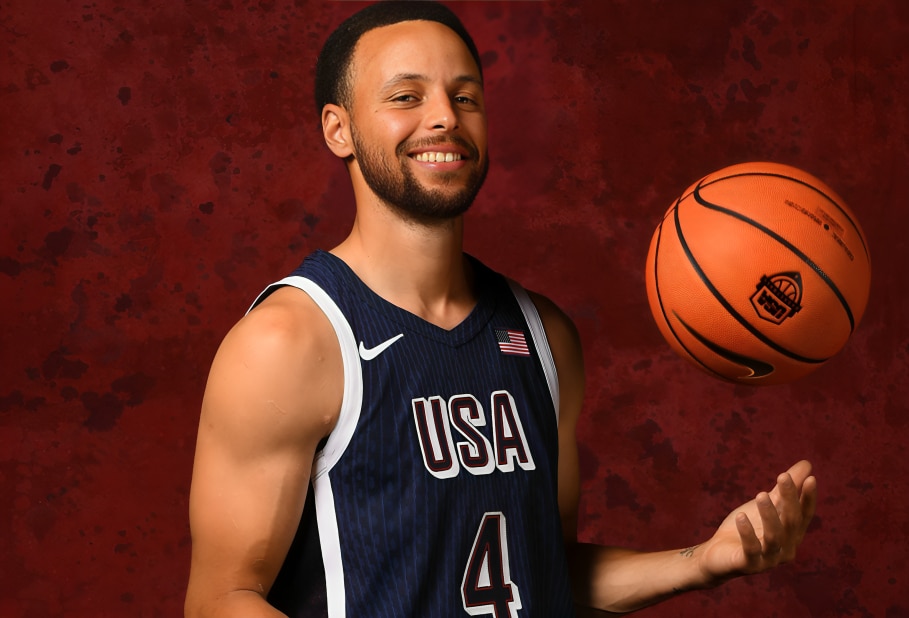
(368, 354)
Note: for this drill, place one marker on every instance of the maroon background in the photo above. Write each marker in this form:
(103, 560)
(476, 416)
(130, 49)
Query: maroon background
(161, 163)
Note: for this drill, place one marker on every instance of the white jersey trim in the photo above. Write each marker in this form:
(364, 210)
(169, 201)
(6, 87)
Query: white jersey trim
(540, 341)
(337, 441)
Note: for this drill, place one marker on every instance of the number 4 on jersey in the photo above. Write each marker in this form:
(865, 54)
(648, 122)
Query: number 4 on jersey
(487, 588)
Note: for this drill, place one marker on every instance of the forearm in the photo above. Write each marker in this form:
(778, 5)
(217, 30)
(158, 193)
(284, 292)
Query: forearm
(620, 580)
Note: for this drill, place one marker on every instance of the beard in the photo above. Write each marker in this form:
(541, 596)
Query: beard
(398, 188)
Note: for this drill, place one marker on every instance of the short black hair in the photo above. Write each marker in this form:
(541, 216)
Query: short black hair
(333, 66)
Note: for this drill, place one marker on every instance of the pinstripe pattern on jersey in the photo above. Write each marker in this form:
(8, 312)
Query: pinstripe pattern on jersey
(399, 538)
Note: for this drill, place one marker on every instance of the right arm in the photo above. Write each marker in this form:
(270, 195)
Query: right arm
(273, 393)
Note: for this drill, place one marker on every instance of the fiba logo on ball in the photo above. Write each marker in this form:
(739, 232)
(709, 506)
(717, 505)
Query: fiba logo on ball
(778, 296)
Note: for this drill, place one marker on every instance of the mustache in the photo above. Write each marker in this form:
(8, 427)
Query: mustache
(426, 142)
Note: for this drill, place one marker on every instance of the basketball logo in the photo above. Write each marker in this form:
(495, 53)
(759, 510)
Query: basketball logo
(777, 297)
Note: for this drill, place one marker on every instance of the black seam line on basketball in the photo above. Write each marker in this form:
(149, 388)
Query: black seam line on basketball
(735, 314)
(758, 369)
(820, 272)
(836, 204)
(656, 286)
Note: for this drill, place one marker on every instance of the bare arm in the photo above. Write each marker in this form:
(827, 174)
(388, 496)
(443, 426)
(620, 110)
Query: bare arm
(755, 537)
(273, 392)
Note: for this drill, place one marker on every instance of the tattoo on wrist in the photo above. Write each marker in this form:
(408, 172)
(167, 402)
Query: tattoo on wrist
(688, 553)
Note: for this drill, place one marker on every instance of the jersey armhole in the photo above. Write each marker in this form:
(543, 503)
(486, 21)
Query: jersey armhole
(540, 341)
(337, 441)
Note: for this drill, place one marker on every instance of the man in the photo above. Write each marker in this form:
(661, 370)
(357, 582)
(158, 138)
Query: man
(390, 431)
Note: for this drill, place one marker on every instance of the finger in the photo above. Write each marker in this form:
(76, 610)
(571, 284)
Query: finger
(751, 544)
(786, 498)
(809, 500)
(786, 487)
(800, 471)
(772, 525)
(796, 507)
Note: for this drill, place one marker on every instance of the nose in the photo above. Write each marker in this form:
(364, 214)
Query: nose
(441, 114)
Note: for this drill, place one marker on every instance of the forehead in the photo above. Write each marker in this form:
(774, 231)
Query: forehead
(411, 47)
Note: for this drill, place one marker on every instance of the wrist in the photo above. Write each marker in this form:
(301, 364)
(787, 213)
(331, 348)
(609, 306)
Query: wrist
(706, 573)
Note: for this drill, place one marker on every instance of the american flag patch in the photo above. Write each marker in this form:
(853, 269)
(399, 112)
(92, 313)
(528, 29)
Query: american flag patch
(512, 342)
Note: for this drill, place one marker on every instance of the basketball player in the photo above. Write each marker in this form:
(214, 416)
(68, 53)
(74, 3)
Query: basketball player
(390, 431)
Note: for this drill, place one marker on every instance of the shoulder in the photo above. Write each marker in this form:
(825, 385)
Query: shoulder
(287, 327)
(285, 320)
(283, 355)
(560, 329)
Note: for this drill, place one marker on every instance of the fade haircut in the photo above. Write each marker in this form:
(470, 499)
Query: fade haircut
(333, 68)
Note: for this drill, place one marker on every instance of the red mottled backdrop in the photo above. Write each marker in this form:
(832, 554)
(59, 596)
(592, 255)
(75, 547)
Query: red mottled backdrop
(160, 163)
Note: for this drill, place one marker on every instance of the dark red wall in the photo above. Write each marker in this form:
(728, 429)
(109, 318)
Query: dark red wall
(160, 163)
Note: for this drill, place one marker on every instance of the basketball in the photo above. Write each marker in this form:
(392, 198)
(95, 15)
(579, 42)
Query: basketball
(758, 274)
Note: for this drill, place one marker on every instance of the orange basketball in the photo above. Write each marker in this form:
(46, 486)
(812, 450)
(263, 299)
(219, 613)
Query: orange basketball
(758, 273)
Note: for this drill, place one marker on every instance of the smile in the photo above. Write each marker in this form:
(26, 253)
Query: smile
(437, 157)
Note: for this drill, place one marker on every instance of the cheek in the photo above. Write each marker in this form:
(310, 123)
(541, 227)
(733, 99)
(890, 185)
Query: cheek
(393, 127)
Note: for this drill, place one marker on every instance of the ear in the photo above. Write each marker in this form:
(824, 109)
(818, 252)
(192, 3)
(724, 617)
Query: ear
(336, 130)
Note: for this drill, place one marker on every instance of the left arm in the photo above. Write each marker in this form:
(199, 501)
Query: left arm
(755, 537)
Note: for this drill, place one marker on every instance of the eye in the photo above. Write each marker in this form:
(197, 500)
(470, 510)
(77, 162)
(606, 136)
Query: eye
(467, 98)
(404, 98)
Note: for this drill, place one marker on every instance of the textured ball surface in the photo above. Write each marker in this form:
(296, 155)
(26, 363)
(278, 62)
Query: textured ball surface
(758, 273)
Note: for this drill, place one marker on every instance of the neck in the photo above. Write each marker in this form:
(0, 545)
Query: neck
(419, 267)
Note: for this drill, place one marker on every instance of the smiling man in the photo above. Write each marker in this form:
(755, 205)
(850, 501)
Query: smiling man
(390, 430)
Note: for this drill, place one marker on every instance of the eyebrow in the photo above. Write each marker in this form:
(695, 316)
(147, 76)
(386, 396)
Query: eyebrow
(418, 77)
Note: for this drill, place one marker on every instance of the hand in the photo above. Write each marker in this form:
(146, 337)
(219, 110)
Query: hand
(764, 532)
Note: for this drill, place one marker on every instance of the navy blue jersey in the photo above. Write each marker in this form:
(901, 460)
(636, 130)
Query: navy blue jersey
(436, 493)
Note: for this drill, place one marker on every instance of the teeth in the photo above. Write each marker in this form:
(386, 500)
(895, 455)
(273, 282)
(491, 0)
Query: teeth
(437, 157)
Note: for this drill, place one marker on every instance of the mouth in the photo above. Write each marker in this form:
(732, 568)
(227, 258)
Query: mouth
(453, 150)
(437, 157)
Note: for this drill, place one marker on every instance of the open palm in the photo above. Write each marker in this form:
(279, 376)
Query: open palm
(764, 532)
